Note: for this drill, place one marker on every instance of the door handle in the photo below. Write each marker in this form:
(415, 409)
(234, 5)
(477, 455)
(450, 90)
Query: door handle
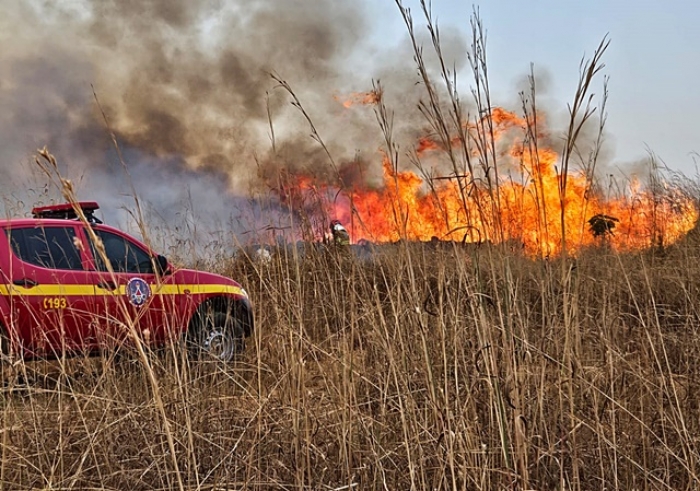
(25, 282)
(107, 285)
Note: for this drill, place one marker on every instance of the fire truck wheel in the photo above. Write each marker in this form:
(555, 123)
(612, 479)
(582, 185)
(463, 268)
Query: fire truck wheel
(217, 335)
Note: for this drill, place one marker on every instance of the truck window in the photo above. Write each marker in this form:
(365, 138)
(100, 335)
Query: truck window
(123, 255)
(47, 247)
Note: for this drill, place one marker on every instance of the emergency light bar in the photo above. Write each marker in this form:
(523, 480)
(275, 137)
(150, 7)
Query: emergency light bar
(65, 211)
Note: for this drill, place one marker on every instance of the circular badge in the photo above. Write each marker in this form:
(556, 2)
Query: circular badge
(137, 291)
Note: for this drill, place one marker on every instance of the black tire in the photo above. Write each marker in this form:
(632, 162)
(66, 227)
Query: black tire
(216, 335)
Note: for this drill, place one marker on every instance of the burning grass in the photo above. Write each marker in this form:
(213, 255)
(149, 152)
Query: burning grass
(418, 367)
(489, 176)
(525, 210)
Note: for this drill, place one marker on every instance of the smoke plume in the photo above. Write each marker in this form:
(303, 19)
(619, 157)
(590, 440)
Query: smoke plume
(186, 88)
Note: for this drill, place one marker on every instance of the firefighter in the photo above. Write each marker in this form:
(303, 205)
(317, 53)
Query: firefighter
(341, 237)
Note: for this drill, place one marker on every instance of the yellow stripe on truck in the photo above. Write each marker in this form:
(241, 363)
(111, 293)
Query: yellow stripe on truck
(48, 290)
(58, 290)
(196, 289)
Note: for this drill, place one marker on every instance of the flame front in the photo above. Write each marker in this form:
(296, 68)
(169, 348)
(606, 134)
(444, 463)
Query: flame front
(541, 210)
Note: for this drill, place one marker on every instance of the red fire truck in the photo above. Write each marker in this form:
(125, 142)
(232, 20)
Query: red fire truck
(71, 284)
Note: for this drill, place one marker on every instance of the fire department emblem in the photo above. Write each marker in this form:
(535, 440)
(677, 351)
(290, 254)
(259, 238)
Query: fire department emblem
(137, 291)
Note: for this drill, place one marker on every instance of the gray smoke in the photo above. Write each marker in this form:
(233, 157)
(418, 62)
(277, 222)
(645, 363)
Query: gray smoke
(186, 88)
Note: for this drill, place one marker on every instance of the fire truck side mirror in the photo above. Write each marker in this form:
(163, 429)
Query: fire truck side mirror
(162, 264)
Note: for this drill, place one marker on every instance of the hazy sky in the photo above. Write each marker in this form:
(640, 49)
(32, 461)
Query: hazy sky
(653, 62)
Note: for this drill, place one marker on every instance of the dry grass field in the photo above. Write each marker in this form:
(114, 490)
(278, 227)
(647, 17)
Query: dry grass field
(418, 367)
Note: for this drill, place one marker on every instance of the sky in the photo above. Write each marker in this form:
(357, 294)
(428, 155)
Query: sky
(200, 94)
(653, 63)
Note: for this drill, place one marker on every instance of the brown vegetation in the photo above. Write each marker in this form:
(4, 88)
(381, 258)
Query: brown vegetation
(416, 368)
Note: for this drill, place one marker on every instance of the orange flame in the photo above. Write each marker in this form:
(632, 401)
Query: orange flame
(425, 144)
(534, 210)
(364, 98)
